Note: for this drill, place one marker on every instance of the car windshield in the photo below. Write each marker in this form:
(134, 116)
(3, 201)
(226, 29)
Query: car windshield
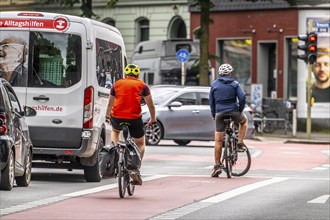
(161, 95)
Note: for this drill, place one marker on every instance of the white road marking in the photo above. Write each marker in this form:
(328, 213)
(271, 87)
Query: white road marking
(235, 192)
(185, 210)
(323, 167)
(321, 199)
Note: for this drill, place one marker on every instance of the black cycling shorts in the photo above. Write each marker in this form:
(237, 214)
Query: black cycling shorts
(219, 123)
(136, 126)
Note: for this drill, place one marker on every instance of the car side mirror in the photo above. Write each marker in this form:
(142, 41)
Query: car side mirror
(175, 104)
(29, 112)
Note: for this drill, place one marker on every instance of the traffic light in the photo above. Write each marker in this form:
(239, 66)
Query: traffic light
(309, 47)
(312, 48)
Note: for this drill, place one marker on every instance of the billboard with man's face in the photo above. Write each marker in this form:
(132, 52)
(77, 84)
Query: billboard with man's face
(321, 69)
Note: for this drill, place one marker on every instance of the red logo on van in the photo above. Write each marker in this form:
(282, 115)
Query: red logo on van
(61, 24)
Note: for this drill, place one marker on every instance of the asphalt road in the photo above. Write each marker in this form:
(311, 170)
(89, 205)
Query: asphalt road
(286, 181)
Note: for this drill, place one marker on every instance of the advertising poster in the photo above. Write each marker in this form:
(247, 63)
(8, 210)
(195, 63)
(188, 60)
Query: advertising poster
(13, 57)
(321, 69)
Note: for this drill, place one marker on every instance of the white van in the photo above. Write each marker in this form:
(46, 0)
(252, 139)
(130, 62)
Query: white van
(63, 67)
(159, 65)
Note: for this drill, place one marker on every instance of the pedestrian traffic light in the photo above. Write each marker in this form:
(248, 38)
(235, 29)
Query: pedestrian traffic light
(312, 48)
(309, 47)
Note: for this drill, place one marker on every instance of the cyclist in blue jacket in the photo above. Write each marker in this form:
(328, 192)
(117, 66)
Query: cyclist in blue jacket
(227, 98)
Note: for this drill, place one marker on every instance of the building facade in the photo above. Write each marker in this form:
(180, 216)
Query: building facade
(260, 40)
(137, 20)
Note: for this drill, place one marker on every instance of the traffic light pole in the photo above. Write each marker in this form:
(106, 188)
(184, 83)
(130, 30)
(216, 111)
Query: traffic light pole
(309, 102)
(309, 91)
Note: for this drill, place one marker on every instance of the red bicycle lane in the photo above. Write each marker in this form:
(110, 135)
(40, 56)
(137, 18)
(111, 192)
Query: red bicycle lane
(152, 198)
(161, 195)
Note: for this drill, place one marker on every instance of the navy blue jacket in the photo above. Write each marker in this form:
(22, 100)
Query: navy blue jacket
(224, 93)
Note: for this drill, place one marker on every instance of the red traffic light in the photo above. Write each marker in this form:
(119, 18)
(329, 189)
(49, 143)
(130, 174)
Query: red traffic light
(312, 38)
(312, 48)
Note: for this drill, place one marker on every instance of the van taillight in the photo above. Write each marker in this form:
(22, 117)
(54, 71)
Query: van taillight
(88, 107)
(3, 127)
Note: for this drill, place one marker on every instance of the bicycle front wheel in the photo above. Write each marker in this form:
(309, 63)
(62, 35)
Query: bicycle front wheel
(122, 180)
(130, 186)
(227, 156)
(243, 163)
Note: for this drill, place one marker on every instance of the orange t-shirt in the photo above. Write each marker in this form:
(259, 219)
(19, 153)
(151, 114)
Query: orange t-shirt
(128, 94)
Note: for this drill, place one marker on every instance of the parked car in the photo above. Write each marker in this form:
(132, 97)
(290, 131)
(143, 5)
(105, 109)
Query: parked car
(15, 144)
(183, 115)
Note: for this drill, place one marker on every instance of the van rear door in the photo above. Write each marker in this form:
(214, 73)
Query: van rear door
(55, 84)
(56, 87)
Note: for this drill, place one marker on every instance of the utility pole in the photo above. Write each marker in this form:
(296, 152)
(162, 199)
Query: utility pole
(309, 90)
(309, 56)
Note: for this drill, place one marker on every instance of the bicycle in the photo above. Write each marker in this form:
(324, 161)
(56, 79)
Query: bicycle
(123, 174)
(234, 163)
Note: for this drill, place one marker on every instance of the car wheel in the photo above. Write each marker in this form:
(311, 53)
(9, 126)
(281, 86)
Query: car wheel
(93, 173)
(26, 178)
(182, 142)
(153, 133)
(8, 173)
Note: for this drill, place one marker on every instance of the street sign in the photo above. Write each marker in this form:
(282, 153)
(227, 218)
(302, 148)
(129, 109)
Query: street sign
(182, 55)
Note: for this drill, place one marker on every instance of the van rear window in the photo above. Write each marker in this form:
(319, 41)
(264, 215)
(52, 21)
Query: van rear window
(55, 60)
(40, 59)
(183, 46)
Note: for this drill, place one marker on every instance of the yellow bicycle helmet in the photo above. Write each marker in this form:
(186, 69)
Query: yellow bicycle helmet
(132, 69)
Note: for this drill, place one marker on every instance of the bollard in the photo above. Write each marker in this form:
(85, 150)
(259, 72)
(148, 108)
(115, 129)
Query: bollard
(294, 122)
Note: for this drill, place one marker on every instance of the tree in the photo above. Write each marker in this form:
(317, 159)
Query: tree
(203, 35)
(86, 5)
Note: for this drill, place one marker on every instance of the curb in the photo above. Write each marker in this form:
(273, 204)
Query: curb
(303, 141)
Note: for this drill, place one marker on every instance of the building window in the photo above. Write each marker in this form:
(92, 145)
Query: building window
(237, 52)
(292, 67)
(177, 28)
(142, 29)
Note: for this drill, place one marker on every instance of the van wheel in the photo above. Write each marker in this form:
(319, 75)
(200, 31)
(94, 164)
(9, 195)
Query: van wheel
(26, 178)
(8, 173)
(93, 173)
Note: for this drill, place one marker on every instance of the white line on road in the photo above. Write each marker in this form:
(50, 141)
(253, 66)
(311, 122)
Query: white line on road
(321, 199)
(227, 195)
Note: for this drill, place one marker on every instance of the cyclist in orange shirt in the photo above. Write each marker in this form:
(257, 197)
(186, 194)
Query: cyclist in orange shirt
(125, 106)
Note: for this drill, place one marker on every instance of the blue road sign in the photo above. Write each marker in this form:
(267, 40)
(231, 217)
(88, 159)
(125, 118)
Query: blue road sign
(182, 55)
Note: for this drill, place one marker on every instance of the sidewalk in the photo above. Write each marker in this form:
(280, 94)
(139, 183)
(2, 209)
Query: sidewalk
(301, 137)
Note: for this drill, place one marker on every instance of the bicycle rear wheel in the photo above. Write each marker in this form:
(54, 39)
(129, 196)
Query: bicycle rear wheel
(242, 164)
(227, 156)
(122, 180)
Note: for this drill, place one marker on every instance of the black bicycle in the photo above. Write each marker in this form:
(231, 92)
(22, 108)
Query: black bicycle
(124, 179)
(235, 163)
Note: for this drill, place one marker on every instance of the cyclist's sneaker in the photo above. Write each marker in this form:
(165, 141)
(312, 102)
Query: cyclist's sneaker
(241, 147)
(136, 177)
(216, 171)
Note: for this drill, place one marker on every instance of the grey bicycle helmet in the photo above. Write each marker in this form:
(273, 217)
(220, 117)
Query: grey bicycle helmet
(225, 69)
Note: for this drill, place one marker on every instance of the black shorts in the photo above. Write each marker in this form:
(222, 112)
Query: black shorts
(219, 123)
(136, 126)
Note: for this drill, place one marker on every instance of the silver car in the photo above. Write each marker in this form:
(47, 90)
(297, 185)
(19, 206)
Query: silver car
(183, 115)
